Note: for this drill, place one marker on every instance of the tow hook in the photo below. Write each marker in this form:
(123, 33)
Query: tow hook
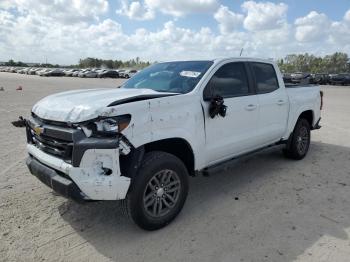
(21, 122)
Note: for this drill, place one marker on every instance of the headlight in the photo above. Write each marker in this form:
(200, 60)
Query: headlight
(106, 126)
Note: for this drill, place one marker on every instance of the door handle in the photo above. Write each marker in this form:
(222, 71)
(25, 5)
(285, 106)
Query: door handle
(251, 107)
(281, 102)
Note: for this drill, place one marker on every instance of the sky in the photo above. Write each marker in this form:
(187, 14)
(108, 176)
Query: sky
(63, 31)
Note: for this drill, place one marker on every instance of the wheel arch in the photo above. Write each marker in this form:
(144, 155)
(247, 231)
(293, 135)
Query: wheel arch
(307, 115)
(176, 146)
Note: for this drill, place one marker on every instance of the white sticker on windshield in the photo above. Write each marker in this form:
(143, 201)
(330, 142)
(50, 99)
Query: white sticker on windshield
(190, 74)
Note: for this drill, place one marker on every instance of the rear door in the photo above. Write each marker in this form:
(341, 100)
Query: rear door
(236, 132)
(273, 103)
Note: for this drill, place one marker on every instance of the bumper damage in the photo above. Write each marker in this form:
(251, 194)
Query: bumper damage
(52, 179)
(98, 176)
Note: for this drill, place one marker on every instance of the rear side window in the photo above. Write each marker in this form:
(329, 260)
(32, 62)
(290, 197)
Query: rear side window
(230, 80)
(265, 76)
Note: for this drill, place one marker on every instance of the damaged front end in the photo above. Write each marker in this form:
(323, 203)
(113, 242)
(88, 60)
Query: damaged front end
(80, 161)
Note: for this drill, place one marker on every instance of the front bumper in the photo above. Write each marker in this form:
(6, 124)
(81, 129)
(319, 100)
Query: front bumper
(97, 178)
(52, 179)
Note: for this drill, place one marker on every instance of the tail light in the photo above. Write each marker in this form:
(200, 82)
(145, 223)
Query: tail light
(321, 94)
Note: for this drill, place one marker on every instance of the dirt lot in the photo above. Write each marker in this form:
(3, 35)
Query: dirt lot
(264, 208)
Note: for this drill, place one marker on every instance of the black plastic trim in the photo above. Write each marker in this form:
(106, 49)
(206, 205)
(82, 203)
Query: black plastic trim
(52, 179)
(84, 144)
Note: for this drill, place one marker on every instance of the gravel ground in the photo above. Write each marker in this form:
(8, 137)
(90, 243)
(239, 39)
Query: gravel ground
(263, 208)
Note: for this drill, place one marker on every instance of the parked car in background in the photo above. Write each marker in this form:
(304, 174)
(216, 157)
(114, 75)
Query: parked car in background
(18, 69)
(300, 78)
(43, 71)
(23, 70)
(340, 79)
(121, 73)
(88, 74)
(320, 79)
(287, 78)
(130, 73)
(315, 78)
(76, 73)
(69, 72)
(33, 71)
(54, 72)
(108, 73)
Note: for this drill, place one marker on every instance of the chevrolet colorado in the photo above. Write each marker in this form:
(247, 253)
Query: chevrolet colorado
(140, 142)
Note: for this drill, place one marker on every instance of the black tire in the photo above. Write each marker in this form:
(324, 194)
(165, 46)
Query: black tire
(143, 190)
(299, 141)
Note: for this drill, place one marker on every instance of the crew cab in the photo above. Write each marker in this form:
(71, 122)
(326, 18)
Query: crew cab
(139, 143)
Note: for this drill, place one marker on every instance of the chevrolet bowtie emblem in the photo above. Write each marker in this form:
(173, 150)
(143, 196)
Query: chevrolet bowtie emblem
(38, 130)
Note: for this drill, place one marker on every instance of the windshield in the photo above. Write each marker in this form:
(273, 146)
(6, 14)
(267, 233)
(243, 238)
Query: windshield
(175, 77)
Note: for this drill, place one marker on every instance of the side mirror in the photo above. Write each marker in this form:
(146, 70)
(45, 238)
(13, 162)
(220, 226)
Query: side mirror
(217, 107)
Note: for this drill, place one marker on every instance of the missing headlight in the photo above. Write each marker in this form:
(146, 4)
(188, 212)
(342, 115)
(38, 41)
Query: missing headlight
(106, 126)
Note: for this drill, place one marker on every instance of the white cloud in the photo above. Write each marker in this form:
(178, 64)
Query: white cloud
(176, 8)
(312, 27)
(340, 32)
(264, 15)
(228, 20)
(32, 34)
(66, 11)
(136, 11)
(347, 16)
(182, 7)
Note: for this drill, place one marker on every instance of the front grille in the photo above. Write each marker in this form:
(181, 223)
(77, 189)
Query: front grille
(54, 140)
(56, 147)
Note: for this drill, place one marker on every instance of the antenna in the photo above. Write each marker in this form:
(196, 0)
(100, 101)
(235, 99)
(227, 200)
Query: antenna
(241, 52)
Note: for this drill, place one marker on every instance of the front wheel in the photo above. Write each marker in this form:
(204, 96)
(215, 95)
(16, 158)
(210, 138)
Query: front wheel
(299, 142)
(159, 191)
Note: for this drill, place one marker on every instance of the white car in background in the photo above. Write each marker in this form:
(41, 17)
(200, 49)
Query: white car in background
(22, 71)
(121, 73)
(43, 71)
(130, 73)
(88, 74)
(76, 73)
(70, 72)
(33, 71)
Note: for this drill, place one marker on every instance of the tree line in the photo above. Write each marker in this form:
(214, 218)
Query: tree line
(335, 63)
(112, 64)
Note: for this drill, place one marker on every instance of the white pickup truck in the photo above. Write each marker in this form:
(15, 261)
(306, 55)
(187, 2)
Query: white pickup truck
(140, 142)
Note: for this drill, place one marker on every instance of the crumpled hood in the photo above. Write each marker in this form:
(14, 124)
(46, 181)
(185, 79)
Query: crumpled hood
(82, 105)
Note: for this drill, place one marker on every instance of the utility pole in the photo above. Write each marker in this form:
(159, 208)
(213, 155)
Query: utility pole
(241, 52)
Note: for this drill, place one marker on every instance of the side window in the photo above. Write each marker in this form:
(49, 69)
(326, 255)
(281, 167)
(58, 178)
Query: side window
(266, 79)
(230, 80)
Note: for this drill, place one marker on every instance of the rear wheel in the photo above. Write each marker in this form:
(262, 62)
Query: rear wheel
(299, 141)
(159, 191)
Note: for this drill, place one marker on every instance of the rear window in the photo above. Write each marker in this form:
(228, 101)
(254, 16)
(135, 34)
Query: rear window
(265, 76)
